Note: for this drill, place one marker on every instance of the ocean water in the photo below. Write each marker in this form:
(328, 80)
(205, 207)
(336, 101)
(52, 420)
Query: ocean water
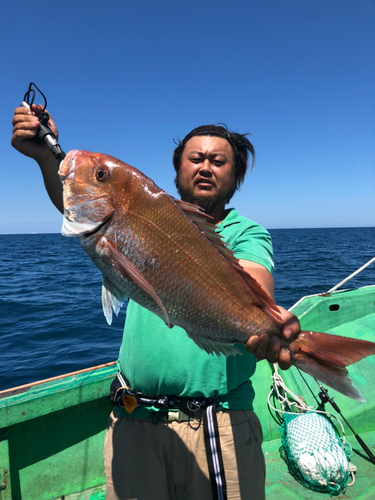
(50, 295)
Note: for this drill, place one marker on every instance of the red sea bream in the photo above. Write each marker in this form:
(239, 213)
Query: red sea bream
(165, 255)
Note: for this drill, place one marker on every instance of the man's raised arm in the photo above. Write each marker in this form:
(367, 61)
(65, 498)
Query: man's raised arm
(25, 127)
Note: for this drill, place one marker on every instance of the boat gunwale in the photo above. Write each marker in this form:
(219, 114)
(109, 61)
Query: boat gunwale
(13, 391)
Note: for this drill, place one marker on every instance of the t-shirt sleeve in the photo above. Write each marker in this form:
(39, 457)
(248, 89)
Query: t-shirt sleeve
(254, 243)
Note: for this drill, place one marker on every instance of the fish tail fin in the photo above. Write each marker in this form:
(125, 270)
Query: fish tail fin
(325, 357)
(336, 377)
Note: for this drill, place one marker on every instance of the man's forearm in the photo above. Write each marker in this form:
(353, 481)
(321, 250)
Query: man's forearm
(49, 168)
(260, 274)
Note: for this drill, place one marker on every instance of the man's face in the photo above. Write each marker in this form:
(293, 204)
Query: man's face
(206, 173)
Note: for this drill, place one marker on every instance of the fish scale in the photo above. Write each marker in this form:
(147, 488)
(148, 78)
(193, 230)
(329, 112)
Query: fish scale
(165, 255)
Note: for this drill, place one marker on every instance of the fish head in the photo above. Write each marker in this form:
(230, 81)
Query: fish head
(91, 185)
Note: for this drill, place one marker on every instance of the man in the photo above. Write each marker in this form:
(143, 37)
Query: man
(152, 453)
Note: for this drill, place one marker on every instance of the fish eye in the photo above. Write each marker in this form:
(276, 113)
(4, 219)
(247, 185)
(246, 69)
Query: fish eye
(101, 175)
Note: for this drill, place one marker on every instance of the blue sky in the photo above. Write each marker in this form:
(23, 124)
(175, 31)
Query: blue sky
(125, 78)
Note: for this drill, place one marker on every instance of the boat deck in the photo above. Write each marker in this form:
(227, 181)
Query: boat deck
(280, 485)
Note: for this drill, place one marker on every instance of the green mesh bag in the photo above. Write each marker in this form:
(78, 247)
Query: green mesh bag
(315, 456)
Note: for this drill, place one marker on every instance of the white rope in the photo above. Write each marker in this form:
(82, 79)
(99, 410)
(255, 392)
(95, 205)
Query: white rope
(278, 387)
(352, 275)
(297, 404)
(352, 470)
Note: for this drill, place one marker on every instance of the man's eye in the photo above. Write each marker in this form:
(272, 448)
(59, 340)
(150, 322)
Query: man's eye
(195, 159)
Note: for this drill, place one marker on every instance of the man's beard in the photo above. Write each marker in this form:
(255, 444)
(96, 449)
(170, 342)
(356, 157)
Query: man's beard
(208, 202)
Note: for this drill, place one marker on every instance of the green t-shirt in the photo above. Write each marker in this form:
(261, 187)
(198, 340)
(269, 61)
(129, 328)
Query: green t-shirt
(156, 360)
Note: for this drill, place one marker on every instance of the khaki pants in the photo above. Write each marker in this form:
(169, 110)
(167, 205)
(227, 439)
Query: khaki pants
(167, 461)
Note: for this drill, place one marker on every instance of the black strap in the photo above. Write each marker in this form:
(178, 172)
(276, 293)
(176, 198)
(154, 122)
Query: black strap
(120, 387)
(213, 453)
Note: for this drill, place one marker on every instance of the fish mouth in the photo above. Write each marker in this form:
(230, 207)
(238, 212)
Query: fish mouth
(83, 230)
(100, 226)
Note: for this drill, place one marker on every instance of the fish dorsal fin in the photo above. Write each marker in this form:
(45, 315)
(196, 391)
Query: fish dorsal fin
(204, 223)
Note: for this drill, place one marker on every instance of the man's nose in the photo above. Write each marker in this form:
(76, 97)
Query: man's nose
(205, 167)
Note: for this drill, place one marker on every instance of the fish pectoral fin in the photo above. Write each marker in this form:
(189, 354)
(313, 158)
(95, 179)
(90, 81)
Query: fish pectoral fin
(124, 267)
(112, 299)
(213, 347)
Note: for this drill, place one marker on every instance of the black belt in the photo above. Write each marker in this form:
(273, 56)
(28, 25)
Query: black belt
(120, 390)
(120, 394)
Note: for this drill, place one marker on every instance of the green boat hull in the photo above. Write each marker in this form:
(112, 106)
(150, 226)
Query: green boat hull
(351, 314)
(52, 432)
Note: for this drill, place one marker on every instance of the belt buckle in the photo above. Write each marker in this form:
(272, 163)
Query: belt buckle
(177, 416)
(173, 416)
(166, 416)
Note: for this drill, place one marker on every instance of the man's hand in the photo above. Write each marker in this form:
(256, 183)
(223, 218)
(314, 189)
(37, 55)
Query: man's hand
(25, 127)
(269, 346)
